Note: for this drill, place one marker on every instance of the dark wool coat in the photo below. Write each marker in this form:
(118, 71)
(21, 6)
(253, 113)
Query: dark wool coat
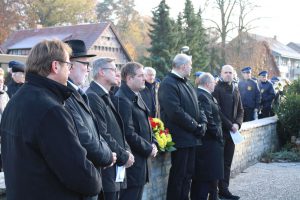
(138, 134)
(42, 155)
(111, 126)
(89, 134)
(180, 110)
(209, 156)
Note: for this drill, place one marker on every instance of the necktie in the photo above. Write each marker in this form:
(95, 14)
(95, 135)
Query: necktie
(108, 101)
(83, 95)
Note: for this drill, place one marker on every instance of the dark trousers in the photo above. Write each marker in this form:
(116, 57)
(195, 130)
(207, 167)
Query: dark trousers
(248, 114)
(132, 193)
(181, 172)
(265, 112)
(228, 156)
(111, 195)
(201, 189)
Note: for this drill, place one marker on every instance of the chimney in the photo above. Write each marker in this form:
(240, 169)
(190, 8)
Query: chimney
(275, 37)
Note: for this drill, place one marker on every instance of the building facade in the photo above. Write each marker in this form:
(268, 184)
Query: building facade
(264, 53)
(100, 39)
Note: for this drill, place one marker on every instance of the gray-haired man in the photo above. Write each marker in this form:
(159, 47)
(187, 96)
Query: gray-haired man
(181, 114)
(107, 115)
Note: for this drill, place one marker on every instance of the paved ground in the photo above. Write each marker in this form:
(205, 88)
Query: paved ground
(274, 181)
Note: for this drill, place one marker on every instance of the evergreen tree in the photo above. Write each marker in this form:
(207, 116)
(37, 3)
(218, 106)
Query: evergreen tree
(163, 41)
(195, 37)
(105, 10)
(180, 38)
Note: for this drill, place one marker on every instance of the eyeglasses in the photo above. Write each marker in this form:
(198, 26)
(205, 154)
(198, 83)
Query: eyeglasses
(84, 63)
(69, 64)
(112, 69)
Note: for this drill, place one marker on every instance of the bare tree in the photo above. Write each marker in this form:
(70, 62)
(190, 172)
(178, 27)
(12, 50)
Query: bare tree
(245, 8)
(225, 8)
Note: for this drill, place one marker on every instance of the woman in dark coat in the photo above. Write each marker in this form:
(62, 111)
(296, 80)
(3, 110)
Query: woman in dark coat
(209, 156)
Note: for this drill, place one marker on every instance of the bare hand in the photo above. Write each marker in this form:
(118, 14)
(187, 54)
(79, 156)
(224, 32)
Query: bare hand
(130, 160)
(235, 128)
(154, 150)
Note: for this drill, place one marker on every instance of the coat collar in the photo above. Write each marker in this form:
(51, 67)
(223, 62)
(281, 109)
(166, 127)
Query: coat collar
(133, 97)
(97, 89)
(78, 97)
(61, 92)
(177, 77)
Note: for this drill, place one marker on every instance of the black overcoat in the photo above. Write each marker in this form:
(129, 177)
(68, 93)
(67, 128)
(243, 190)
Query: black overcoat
(180, 110)
(42, 155)
(138, 134)
(111, 125)
(97, 149)
(209, 156)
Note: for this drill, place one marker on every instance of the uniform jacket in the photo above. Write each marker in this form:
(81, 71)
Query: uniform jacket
(138, 134)
(180, 110)
(249, 93)
(209, 156)
(229, 99)
(112, 128)
(13, 87)
(267, 93)
(42, 155)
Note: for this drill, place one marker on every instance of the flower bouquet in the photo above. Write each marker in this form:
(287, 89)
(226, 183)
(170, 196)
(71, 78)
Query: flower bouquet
(162, 135)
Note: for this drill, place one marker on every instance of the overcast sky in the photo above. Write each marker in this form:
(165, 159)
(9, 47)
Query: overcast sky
(279, 17)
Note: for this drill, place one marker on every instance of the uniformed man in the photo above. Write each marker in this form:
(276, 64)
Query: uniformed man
(18, 77)
(250, 95)
(267, 94)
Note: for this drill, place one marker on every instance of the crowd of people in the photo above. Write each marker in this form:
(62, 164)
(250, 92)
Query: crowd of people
(62, 141)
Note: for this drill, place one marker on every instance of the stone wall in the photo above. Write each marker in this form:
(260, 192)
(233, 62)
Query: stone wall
(260, 137)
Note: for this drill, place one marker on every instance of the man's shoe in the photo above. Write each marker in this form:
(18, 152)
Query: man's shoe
(228, 196)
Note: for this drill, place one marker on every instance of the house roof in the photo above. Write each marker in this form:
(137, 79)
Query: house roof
(277, 47)
(89, 33)
(295, 46)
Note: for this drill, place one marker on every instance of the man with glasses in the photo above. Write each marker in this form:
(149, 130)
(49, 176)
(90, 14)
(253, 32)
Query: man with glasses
(250, 95)
(181, 114)
(107, 115)
(229, 99)
(42, 155)
(88, 132)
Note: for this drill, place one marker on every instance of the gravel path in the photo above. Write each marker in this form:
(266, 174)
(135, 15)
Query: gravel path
(274, 181)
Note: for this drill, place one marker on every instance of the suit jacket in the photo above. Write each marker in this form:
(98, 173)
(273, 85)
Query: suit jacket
(209, 156)
(229, 99)
(138, 134)
(180, 110)
(113, 131)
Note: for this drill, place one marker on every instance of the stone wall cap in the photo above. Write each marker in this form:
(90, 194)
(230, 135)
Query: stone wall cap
(258, 123)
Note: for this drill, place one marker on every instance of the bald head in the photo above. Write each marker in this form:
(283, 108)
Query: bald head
(227, 73)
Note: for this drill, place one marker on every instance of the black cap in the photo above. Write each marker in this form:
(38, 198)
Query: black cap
(78, 49)
(16, 66)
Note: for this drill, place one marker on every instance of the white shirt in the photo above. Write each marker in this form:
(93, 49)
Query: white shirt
(204, 89)
(103, 88)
